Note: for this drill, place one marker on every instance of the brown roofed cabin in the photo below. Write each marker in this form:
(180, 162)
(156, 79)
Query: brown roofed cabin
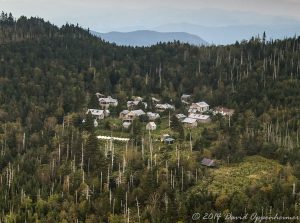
(208, 162)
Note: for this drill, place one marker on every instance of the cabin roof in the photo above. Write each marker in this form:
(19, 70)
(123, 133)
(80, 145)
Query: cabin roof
(208, 162)
(189, 120)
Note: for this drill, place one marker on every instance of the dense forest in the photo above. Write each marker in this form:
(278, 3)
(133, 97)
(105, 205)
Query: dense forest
(53, 168)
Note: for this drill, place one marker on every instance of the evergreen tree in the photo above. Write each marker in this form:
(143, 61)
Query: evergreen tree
(89, 123)
(94, 157)
(94, 102)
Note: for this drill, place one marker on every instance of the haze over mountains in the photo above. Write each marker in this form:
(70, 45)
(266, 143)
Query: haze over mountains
(215, 21)
(212, 25)
(148, 38)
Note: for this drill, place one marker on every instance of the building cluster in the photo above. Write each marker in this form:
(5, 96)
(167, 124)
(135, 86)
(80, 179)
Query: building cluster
(105, 103)
(195, 115)
(197, 112)
(136, 102)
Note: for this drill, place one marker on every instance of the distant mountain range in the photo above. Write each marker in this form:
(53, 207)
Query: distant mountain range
(199, 35)
(148, 38)
(217, 26)
(232, 33)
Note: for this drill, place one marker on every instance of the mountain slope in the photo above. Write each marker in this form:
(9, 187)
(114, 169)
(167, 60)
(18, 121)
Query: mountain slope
(53, 168)
(148, 38)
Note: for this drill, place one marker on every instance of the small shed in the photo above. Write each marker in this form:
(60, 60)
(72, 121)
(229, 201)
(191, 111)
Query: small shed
(208, 162)
(169, 141)
(151, 126)
(180, 117)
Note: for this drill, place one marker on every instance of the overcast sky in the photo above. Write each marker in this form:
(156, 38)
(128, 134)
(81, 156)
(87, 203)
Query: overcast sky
(111, 15)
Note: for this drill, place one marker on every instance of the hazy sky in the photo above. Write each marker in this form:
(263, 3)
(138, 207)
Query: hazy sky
(111, 15)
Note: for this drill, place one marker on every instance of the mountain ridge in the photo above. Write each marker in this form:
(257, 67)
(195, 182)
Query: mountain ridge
(149, 37)
(229, 34)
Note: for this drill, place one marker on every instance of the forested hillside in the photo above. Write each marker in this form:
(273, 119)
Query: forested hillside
(53, 168)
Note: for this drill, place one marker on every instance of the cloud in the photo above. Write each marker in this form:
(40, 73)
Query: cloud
(104, 15)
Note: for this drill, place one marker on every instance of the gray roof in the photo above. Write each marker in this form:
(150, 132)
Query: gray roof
(138, 112)
(95, 111)
(129, 103)
(202, 104)
(165, 106)
(198, 116)
(179, 116)
(124, 112)
(185, 96)
(169, 139)
(109, 99)
(189, 120)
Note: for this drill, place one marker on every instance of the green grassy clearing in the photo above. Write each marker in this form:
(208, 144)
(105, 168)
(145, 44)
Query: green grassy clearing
(254, 170)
